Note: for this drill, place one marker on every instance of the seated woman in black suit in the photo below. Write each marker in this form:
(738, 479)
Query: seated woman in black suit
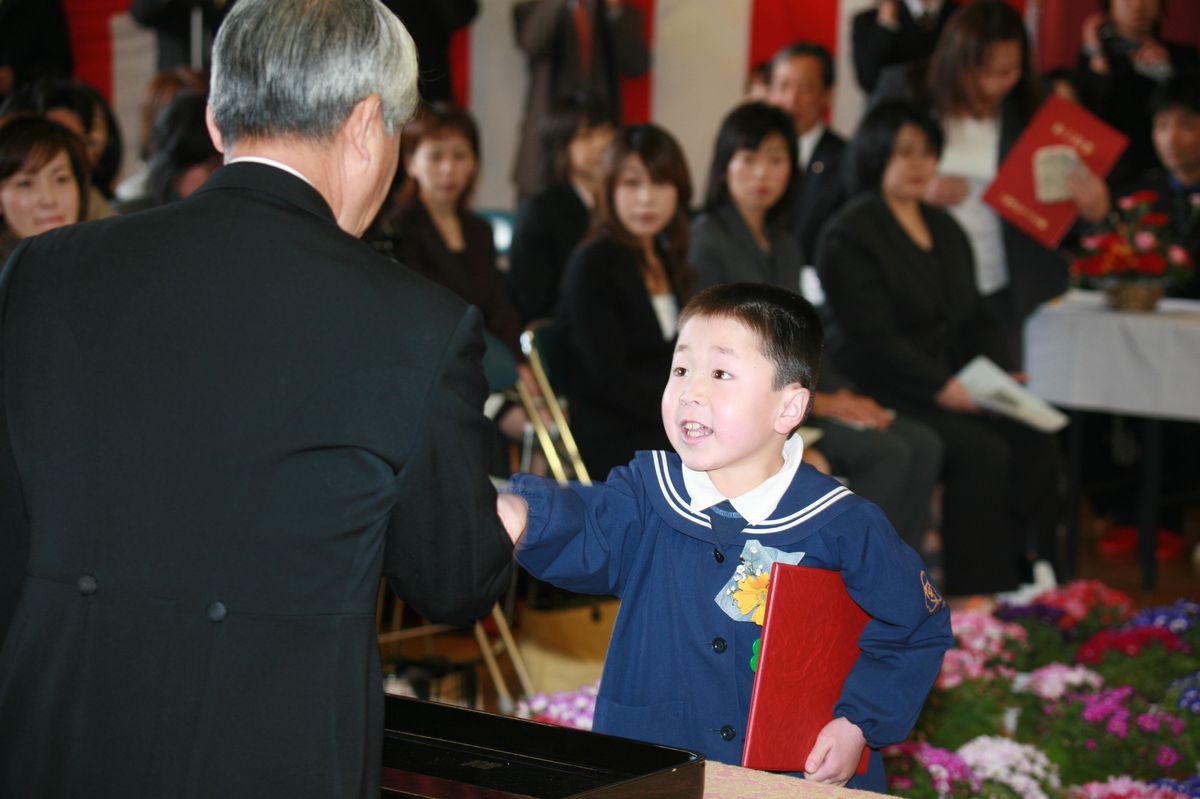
(906, 315)
(621, 296)
(433, 233)
(553, 221)
(742, 236)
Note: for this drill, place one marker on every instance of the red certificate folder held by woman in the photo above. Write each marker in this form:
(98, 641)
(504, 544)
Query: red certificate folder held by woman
(1030, 187)
(809, 644)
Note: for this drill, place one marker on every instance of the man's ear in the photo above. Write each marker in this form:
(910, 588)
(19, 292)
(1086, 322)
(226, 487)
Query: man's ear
(792, 409)
(360, 128)
(213, 132)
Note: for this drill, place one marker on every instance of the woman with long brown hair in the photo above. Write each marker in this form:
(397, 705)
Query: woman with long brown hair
(980, 85)
(621, 295)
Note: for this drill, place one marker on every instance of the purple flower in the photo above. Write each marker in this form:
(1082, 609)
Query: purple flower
(1089, 744)
(1148, 722)
(1166, 757)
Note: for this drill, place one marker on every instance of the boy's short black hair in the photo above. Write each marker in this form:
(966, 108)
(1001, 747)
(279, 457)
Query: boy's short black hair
(786, 324)
(1180, 92)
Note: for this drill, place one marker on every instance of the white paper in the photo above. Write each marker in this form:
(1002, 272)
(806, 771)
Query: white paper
(992, 388)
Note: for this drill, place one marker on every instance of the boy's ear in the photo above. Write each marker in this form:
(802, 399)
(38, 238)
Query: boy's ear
(793, 408)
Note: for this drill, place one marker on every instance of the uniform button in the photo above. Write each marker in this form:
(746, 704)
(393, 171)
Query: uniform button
(217, 612)
(87, 585)
(728, 733)
(719, 645)
(718, 555)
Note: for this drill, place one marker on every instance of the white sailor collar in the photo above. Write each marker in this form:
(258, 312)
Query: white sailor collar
(756, 505)
(813, 500)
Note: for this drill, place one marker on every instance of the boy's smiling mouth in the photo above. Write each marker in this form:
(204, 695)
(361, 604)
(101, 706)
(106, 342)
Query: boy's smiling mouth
(694, 430)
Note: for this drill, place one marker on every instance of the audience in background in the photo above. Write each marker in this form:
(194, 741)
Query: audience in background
(741, 237)
(1175, 109)
(554, 220)
(182, 154)
(161, 89)
(33, 43)
(1121, 60)
(981, 87)
(431, 24)
(895, 32)
(621, 296)
(43, 178)
(433, 232)
(906, 316)
(81, 109)
(184, 29)
(570, 46)
(802, 85)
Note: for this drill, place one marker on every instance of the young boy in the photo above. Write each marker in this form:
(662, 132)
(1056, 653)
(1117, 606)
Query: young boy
(676, 536)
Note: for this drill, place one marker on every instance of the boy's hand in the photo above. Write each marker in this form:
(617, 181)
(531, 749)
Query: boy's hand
(835, 755)
(514, 514)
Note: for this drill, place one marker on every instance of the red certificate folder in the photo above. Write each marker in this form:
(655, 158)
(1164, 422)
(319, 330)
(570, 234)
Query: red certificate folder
(1057, 125)
(809, 644)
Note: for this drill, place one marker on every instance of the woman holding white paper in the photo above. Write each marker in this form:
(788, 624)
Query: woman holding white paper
(899, 281)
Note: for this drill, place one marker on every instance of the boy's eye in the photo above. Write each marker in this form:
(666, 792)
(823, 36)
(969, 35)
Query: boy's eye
(679, 371)
(721, 374)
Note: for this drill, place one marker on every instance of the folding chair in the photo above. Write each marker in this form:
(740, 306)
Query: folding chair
(544, 345)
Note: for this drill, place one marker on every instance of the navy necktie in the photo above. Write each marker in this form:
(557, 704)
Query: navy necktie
(727, 523)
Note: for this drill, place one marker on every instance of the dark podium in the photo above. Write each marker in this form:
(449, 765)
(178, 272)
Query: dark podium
(435, 751)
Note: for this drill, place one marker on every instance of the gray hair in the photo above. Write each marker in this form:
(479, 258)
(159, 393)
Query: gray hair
(298, 67)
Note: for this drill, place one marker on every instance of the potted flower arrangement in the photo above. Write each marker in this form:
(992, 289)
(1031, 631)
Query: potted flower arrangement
(1137, 255)
(1113, 732)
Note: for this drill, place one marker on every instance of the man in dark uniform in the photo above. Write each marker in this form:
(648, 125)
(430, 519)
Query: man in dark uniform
(221, 422)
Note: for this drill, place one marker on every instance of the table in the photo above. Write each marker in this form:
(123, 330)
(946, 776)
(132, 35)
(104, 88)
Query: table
(722, 781)
(1083, 356)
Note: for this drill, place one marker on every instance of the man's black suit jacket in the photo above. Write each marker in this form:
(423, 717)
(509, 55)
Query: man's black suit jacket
(222, 420)
(818, 192)
(877, 47)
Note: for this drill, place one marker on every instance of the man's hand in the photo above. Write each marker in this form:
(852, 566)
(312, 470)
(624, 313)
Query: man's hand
(1089, 193)
(514, 514)
(835, 755)
(954, 397)
(947, 190)
(855, 409)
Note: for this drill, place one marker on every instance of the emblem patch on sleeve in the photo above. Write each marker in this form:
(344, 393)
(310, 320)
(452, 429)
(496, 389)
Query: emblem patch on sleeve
(933, 600)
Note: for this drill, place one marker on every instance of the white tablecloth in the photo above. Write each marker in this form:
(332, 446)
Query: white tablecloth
(1079, 354)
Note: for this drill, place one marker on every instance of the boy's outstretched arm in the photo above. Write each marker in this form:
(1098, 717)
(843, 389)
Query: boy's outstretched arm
(514, 514)
(834, 757)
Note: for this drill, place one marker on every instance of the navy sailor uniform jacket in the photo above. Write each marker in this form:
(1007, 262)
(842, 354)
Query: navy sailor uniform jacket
(677, 670)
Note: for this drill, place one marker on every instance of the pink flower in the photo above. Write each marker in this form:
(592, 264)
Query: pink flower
(1166, 757)
(1178, 256)
(1126, 203)
(1118, 725)
(1089, 744)
(1144, 240)
(901, 783)
(1148, 722)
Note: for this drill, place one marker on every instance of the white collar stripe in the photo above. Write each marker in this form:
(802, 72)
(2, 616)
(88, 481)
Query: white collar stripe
(819, 501)
(809, 512)
(671, 495)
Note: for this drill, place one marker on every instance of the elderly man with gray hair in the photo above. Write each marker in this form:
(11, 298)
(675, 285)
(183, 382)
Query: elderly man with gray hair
(221, 421)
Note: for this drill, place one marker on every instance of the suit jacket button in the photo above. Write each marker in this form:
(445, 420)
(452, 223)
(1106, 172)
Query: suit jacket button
(816, 167)
(217, 612)
(728, 733)
(718, 555)
(719, 645)
(87, 585)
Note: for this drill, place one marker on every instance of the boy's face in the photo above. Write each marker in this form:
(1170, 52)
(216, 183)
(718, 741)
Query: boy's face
(720, 409)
